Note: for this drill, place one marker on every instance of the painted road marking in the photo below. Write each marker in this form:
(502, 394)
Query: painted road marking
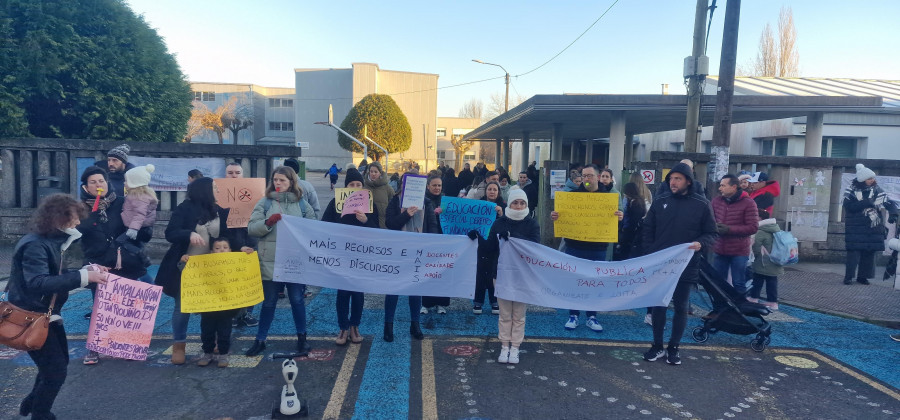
(339, 392)
(429, 390)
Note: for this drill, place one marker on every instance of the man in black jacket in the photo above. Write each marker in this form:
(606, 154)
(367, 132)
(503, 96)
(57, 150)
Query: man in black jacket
(116, 165)
(677, 217)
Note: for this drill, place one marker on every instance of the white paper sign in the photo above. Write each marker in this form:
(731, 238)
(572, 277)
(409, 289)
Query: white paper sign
(171, 173)
(533, 273)
(557, 181)
(413, 192)
(373, 260)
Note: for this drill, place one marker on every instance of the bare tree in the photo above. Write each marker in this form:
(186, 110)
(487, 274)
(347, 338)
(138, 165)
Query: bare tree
(461, 147)
(238, 116)
(195, 123)
(495, 106)
(777, 57)
(788, 56)
(472, 109)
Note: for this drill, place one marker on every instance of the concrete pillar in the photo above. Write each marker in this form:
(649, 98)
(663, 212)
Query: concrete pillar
(498, 158)
(556, 142)
(525, 154)
(165, 200)
(617, 144)
(814, 123)
(589, 151)
(61, 169)
(26, 179)
(262, 169)
(629, 150)
(8, 181)
(506, 157)
(43, 163)
(573, 151)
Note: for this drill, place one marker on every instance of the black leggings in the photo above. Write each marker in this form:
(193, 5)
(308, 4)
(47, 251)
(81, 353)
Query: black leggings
(52, 361)
(681, 300)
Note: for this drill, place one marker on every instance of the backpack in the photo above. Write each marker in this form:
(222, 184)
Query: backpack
(785, 250)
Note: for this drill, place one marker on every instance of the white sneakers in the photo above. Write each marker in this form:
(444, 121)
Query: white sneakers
(573, 322)
(441, 310)
(509, 355)
(593, 324)
(648, 319)
(504, 355)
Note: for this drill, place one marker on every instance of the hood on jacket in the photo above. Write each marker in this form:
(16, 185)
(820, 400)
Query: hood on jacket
(684, 169)
(769, 225)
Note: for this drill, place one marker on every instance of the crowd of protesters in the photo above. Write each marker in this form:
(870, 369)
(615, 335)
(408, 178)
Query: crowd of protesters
(116, 212)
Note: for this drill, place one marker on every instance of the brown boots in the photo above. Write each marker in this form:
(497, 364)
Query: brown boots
(178, 353)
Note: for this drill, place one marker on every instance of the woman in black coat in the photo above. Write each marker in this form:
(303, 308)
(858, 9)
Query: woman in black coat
(487, 264)
(865, 203)
(629, 235)
(193, 223)
(39, 283)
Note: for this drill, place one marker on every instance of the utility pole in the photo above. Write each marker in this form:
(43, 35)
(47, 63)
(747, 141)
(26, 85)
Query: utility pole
(725, 94)
(696, 68)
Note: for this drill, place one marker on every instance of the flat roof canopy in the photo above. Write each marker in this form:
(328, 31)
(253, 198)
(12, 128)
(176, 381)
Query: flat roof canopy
(588, 116)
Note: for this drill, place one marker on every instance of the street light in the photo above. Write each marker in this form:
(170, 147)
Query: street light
(506, 100)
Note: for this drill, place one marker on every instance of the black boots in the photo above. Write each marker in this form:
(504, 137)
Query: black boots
(257, 348)
(415, 331)
(302, 346)
(388, 331)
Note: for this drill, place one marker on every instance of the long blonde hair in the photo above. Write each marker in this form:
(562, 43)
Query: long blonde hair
(143, 190)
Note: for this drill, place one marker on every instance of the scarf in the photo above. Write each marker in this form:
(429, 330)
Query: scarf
(876, 196)
(103, 204)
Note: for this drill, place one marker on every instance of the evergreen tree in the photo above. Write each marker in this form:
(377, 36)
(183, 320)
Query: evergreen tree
(386, 124)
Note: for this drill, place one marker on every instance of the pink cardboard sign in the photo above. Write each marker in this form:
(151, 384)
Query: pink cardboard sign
(123, 318)
(356, 201)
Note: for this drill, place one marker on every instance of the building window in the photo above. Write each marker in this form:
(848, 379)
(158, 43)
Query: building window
(204, 96)
(774, 147)
(840, 147)
(281, 126)
(442, 132)
(677, 147)
(442, 154)
(781, 147)
(281, 103)
(469, 156)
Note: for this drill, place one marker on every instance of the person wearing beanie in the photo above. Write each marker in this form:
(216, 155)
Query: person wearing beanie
(594, 251)
(309, 191)
(515, 223)
(350, 304)
(865, 204)
(116, 164)
(139, 210)
(677, 217)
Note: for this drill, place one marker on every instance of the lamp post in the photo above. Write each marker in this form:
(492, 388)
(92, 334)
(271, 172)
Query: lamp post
(506, 98)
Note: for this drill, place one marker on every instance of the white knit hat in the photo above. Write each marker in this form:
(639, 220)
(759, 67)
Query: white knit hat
(139, 176)
(863, 173)
(516, 193)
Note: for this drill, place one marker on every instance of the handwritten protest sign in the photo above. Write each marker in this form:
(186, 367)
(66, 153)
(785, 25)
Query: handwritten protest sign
(461, 215)
(123, 318)
(342, 194)
(587, 216)
(413, 192)
(374, 260)
(533, 273)
(240, 195)
(222, 281)
(359, 200)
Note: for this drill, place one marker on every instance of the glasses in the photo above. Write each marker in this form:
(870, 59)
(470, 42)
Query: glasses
(588, 176)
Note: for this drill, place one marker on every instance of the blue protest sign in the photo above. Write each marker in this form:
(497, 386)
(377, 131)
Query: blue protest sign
(461, 215)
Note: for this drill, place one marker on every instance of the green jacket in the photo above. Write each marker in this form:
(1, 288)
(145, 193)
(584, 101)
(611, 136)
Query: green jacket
(283, 203)
(381, 196)
(764, 238)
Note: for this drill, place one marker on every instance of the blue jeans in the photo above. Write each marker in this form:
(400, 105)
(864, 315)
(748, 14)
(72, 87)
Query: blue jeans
(344, 306)
(179, 322)
(390, 307)
(586, 254)
(296, 293)
(738, 267)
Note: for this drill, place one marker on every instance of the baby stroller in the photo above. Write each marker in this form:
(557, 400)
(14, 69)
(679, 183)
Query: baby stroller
(731, 311)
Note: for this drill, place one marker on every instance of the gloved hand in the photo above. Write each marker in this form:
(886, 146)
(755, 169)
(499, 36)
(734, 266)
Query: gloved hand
(504, 236)
(892, 218)
(131, 233)
(722, 228)
(473, 234)
(273, 219)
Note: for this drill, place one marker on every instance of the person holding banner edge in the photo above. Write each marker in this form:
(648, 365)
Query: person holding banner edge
(679, 216)
(283, 196)
(348, 302)
(433, 193)
(487, 263)
(412, 219)
(594, 251)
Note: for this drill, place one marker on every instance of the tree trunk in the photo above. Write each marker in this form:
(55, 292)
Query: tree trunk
(234, 134)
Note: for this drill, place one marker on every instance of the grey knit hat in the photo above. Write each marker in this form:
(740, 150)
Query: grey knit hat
(120, 152)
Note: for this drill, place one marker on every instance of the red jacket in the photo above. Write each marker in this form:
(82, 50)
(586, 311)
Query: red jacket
(765, 196)
(742, 219)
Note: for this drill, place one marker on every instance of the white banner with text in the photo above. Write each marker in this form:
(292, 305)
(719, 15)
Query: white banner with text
(372, 260)
(532, 273)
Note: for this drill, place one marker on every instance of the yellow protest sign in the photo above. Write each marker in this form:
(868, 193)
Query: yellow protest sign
(240, 196)
(587, 216)
(341, 195)
(217, 282)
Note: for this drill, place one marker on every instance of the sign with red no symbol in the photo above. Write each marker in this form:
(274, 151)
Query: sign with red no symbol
(648, 175)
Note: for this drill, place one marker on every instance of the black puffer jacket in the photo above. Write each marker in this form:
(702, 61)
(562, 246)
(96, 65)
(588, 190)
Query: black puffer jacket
(36, 273)
(865, 233)
(395, 219)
